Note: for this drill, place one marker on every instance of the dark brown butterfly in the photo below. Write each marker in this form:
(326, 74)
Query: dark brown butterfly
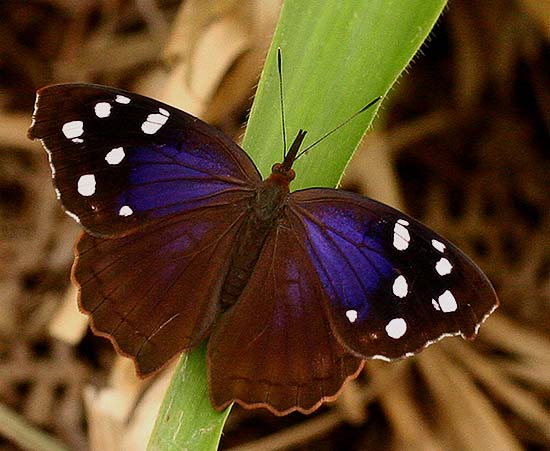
(184, 242)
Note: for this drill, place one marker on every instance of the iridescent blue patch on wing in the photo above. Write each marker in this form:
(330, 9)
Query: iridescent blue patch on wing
(349, 265)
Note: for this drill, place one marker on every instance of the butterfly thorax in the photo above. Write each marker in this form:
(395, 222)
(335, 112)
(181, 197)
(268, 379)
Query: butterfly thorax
(263, 213)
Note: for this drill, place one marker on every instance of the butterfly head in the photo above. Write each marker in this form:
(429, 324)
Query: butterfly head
(282, 173)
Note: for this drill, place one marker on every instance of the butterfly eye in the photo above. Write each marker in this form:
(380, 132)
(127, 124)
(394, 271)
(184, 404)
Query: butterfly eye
(288, 173)
(276, 168)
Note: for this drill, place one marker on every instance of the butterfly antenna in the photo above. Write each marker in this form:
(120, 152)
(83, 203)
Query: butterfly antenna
(338, 127)
(280, 69)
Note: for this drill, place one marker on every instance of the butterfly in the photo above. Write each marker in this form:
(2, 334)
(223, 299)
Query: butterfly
(184, 242)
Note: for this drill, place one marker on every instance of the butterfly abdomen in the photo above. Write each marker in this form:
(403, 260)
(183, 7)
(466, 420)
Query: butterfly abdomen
(263, 213)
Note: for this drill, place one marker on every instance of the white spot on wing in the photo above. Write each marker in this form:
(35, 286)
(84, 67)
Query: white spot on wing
(125, 211)
(352, 315)
(73, 216)
(403, 222)
(440, 337)
(436, 305)
(122, 99)
(73, 129)
(438, 245)
(102, 109)
(115, 156)
(401, 236)
(86, 185)
(447, 302)
(154, 122)
(400, 287)
(396, 328)
(443, 267)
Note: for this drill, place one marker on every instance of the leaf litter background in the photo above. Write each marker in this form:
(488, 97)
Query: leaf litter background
(461, 144)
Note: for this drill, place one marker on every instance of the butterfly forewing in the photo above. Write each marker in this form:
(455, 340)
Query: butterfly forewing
(275, 348)
(120, 160)
(393, 286)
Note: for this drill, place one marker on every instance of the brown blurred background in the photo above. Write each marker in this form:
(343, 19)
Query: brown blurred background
(462, 144)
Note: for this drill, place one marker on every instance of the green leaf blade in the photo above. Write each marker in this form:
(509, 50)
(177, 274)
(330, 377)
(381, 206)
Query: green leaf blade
(337, 56)
(186, 420)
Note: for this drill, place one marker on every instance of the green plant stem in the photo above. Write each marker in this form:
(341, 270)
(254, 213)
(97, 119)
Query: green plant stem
(337, 56)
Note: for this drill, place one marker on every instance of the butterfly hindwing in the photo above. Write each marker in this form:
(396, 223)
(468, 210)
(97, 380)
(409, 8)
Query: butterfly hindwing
(120, 160)
(155, 292)
(393, 286)
(275, 348)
